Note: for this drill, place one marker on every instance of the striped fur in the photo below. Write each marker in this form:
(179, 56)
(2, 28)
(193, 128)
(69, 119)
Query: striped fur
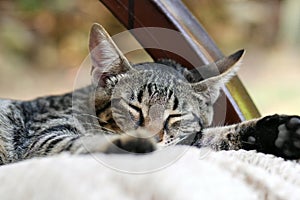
(137, 108)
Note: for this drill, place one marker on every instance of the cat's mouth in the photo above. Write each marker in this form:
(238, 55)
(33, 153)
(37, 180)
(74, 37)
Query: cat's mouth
(164, 144)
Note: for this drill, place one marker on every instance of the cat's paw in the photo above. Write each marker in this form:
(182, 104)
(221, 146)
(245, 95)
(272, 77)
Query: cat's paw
(281, 134)
(288, 138)
(131, 143)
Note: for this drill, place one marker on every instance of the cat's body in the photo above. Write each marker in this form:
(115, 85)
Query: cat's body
(137, 109)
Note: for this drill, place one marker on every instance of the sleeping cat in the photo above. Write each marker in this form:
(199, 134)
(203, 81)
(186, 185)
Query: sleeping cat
(137, 108)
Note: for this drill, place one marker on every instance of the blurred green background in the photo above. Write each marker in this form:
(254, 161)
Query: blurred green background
(42, 44)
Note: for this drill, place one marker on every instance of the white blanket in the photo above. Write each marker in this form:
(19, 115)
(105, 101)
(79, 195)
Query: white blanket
(175, 173)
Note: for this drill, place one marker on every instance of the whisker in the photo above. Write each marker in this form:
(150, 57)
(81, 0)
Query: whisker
(99, 127)
(85, 114)
(104, 132)
(92, 124)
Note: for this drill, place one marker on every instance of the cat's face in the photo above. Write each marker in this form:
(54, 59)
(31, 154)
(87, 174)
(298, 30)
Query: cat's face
(158, 99)
(152, 96)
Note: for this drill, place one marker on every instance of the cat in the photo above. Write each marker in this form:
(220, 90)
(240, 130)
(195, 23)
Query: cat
(137, 109)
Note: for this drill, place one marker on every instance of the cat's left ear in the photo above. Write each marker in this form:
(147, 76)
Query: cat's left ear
(216, 75)
(107, 59)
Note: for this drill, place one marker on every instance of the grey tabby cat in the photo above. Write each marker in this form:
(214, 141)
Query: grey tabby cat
(137, 108)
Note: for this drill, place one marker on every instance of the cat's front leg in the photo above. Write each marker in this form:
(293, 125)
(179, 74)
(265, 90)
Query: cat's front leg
(132, 142)
(275, 134)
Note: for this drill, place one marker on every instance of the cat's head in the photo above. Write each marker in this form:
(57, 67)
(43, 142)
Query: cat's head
(167, 100)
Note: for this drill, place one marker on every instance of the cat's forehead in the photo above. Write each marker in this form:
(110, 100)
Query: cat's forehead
(153, 77)
(159, 71)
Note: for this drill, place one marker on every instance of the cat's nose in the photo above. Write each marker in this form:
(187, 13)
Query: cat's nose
(154, 120)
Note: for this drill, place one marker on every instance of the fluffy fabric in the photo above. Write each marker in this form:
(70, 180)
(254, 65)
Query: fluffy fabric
(175, 173)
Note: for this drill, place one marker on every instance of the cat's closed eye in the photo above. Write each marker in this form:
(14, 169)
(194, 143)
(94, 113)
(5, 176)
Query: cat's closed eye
(136, 114)
(172, 120)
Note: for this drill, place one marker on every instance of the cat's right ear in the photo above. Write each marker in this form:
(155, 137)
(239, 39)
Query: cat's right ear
(107, 59)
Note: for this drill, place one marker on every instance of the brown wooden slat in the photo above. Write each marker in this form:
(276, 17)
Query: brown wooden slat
(172, 14)
(145, 15)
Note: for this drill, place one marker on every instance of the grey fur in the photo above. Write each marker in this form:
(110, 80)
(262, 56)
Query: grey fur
(137, 109)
